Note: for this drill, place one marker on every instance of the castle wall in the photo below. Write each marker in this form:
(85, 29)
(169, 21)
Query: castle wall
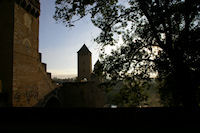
(6, 51)
(81, 94)
(30, 80)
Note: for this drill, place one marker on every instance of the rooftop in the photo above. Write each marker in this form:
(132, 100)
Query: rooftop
(84, 50)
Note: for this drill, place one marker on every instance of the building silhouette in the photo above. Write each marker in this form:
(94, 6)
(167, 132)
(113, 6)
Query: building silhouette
(84, 64)
(86, 91)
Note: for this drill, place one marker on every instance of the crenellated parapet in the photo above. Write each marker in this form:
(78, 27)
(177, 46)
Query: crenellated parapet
(32, 6)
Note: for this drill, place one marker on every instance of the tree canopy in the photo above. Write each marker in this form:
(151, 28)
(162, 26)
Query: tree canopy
(158, 36)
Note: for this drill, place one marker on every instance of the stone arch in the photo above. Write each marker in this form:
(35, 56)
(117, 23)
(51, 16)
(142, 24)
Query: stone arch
(53, 102)
(27, 43)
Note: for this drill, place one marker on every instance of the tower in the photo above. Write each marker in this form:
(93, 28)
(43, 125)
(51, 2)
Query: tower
(84, 63)
(23, 77)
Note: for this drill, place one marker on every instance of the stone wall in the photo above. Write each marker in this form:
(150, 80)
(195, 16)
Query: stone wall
(75, 95)
(30, 79)
(81, 94)
(84, 66)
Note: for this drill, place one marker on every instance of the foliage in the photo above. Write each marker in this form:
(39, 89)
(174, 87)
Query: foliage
(58, 80)
(121, 93)
(130, 95)
(98, 70)
(171, 26)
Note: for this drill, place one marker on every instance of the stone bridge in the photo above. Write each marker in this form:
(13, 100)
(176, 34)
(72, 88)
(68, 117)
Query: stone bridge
(75, 94)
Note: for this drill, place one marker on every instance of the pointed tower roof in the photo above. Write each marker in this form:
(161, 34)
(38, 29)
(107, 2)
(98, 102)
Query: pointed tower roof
(84, 50)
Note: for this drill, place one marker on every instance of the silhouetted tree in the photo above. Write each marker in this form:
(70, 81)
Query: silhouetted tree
(170, 26)
(98, 70)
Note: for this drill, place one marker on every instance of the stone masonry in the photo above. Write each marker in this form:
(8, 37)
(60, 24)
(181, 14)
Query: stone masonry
(84, 63)
(29, 81)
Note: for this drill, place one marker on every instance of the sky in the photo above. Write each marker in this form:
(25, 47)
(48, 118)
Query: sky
(59, 44)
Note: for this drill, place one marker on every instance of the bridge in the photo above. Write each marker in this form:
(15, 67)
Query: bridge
(75, 94)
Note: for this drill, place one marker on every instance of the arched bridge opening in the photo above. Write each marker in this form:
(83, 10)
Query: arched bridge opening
(53, 102)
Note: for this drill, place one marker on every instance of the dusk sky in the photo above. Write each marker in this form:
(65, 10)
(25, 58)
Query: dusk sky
(59, 44)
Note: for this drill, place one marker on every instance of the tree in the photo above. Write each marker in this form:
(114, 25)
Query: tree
(98, 70)
(170, 26)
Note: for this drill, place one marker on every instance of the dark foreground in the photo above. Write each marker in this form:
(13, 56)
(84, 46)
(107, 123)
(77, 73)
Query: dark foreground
(99, 120)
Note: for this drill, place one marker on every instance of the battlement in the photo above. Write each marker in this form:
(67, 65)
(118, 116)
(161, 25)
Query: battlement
(31, 6)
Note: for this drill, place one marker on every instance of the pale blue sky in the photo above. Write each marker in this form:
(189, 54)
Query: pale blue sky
(59, 44)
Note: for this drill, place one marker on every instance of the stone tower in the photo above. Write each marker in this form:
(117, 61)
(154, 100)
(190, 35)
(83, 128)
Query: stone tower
(84, 63)
(24, 80)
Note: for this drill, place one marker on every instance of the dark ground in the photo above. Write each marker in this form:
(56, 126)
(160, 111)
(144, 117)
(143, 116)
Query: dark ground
(99, 120)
